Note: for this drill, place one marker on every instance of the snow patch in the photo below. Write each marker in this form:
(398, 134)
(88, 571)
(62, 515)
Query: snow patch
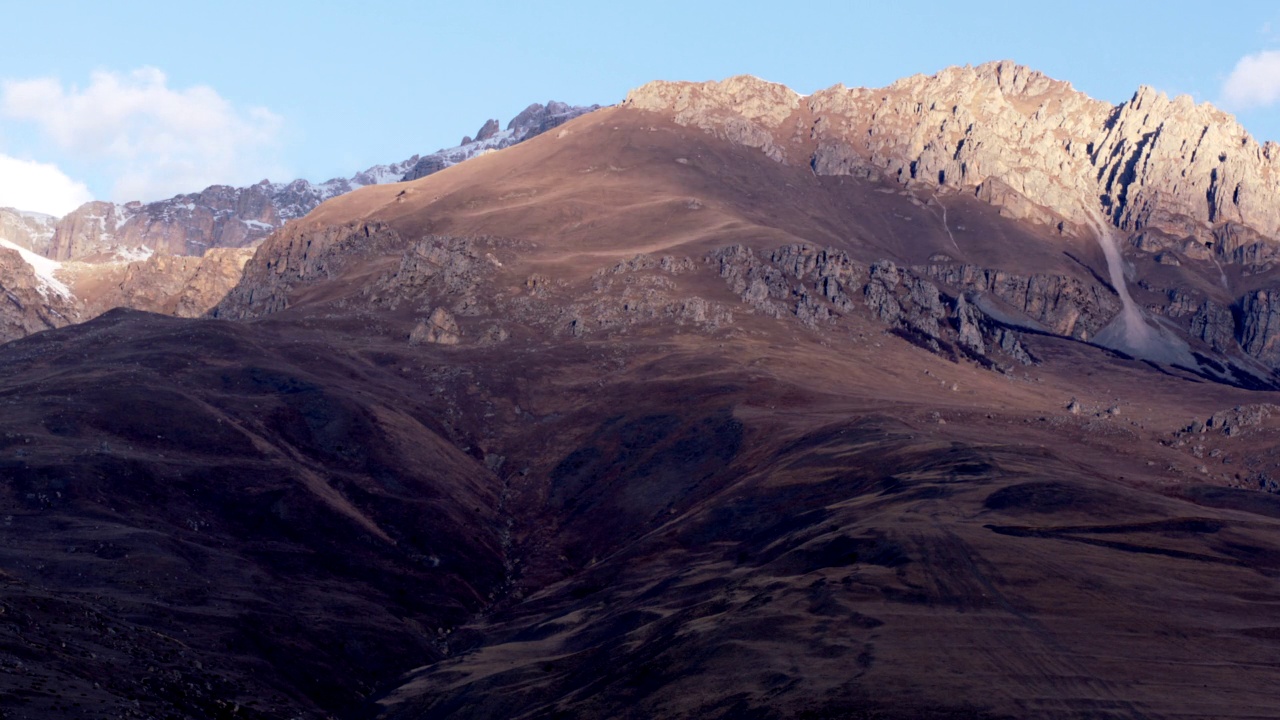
(122, 216)
(44, 269)
(132, 254)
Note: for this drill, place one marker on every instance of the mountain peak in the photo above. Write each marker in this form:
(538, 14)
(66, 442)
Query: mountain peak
(747, 96)
(1061, 157)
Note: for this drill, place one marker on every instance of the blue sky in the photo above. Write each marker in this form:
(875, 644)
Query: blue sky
(139, 100)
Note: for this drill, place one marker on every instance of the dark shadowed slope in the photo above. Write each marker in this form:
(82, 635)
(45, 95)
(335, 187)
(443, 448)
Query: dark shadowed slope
(198, 516)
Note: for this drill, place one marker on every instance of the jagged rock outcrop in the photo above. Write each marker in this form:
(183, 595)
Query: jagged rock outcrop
(440, 328)
(531, 122)
(1251, 324)
(439, 269)
(1208, 321)
(1232, 422)
(818, 286)
(1259, 326)
(792, 280)
(743, 109)
(488, 130)
(30, 230)
(1178, 165)
(627, 294)
(538, 118)
(1018, 139)
(919, 311)
(1215, 326)
(1063, 305)
(297, 257)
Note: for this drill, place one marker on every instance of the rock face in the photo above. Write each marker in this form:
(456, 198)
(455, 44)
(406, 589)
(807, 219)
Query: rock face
(183, 286)
(441, 328)
(488, 130)
(90, 228)
(299, 257)
(1062, 305)
(814, 284)
(30, 230)
(744, 109)
(1259, 331)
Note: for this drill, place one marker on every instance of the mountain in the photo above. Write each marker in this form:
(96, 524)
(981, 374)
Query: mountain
(658, 415)
(1050, 153)
(182, 255)
(1183, 185)
(223, 216)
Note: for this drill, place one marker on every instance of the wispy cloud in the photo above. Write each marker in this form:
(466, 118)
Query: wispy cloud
(156, 141)
(1255, 82)
(39, 187)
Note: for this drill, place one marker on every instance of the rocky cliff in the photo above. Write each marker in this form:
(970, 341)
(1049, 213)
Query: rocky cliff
(179, 285)
(30, 302)
(31, 230)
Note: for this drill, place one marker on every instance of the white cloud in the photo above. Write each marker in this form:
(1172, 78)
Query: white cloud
(156, 141)
(1255, 81)
(39, 187)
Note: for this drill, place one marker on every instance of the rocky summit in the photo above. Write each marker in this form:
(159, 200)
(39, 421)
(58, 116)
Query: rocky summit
(951, 399)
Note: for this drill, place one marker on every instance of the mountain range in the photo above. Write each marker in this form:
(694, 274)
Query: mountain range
(950, 399)
(180, 255)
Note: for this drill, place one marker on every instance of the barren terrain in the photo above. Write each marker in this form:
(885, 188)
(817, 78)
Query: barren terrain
(630, 420)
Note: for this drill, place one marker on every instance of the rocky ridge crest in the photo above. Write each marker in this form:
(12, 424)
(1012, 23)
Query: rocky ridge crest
(225, 216)
(531, 122)
(1014, 136)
